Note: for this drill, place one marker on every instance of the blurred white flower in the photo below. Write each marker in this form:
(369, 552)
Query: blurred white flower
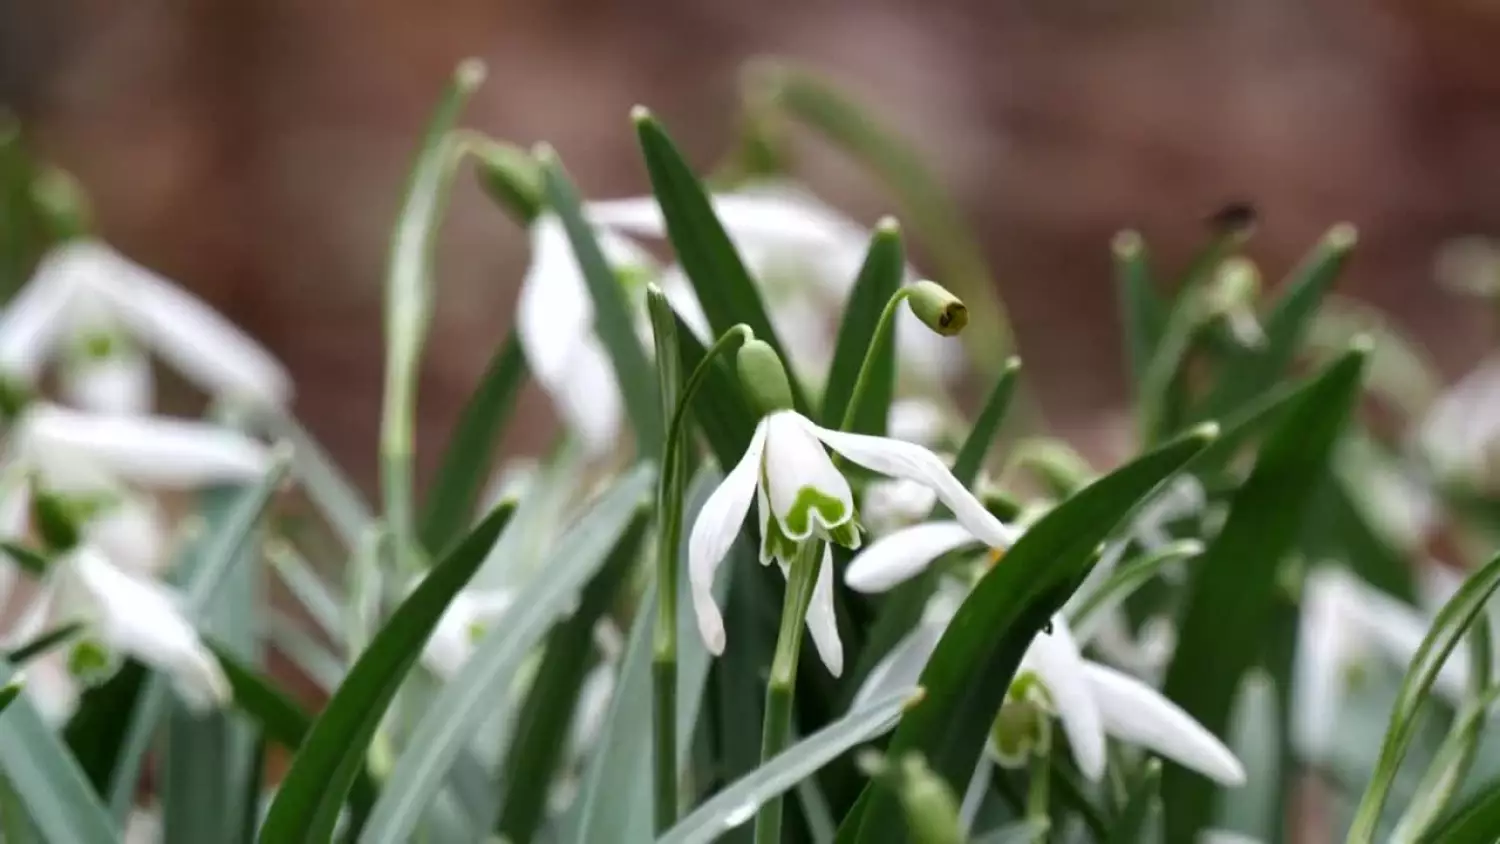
(1345, 622)
(889, 506)
(801, 495)
(462, 624)
(86, 293)
(1460, 435)
(918, 420)
(806, 256)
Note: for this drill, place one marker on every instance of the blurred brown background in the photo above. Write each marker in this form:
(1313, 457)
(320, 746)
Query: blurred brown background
(255, 151)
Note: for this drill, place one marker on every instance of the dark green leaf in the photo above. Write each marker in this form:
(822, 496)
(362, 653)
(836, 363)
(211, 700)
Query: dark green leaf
(719, 408)
(1233, 585)
(1473, 822)
(878, 280)
(969, 673)
(33, 561)
(41, 644)
(325, 768)
(613, 317)
(465, 464)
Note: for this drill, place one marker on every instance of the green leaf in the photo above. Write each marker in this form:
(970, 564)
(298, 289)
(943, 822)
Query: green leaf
(1449, 767)
(1020, 832)
(54, 790)
(1233, 586)
(719, 408)
(1473, 822)
(410, 290)
(307, 804)
(43, 642)
(330, 491)
(1085, 610)
(467, 700)
(1143, 806)
(97, 729)
(1448, 628)
(1142, 308)
(613, 317)
(466, 459)
(1249, 372)
(312, 594)
(30, 560)
(202, 572)
(541, 729)
(724, 288)
(1257, 739)
(879, 278)
(614, 798)
(933, 213)
(736, 804)
(969, 672)
(986, 427)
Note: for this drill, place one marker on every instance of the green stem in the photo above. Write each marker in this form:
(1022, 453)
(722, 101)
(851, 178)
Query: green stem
(884, 329)
(669, 509)
(783, 684)
(1039, 794)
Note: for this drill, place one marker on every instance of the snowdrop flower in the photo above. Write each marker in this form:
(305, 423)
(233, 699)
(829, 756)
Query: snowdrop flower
(802, 496)
(461, 625)
(806, 256)
(1344, 622)
(85, 291)
(1460, 435)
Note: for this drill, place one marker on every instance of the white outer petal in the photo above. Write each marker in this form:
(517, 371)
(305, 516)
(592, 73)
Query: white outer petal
(714, 530)
(1055, 659)
(592, 707)
(40, 312)
(451, 643)
(155, 450)
(143, 619)
(119, 384)
(51, 689)
(588, 396)
(1460, 430)
(913, 462)
(822, 622)
(554, 312)
(1327, 641)
(897, 557)
(902, 667)
(919, 421)
(193, 337)
(892, 505)
(132, 534)
(1138, 714)
(795, 460)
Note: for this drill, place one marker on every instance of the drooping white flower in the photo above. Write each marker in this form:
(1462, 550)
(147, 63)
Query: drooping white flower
(1460, 435)
(1344, 622)
(802, 496)
(460, 626)
(84, 287)
(806, 257)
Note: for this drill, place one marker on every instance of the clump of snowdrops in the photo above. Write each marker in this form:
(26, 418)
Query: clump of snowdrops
(803, 563)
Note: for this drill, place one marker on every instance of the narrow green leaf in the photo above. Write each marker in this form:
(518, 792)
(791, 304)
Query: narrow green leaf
(1144, 803)
(541, 729)
(510, 176)
(250, 799)
(10, 691)
(1449, 767)
(737, 804)
(54, 790)
(1473, 822)
(1233, 586)
(878, 280)
(719, 408)
(986, 427)
(324, 769)
(42, 643)
(613, 317)
(330, 491)
(969, 673)
(1448, 628)
(960, 262)
(1142, 308)
(410, 290)
(724, 288)
(1249, 372)
(314, 596)
(1084, 611)
(1020, 832)
(30, 560)
(97, 729)
(466, 460)
(464, 702)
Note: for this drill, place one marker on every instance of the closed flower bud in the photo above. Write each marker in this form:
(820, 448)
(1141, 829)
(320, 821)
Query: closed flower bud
(937, 308)
(931, 808)
(763, 377)
(511, 177)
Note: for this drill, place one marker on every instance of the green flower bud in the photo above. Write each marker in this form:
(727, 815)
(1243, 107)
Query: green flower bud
(62, 203)
(1023, 727)
(931, 808)
(55, 521)
(763, 377)
(937, 308)
(511, 177)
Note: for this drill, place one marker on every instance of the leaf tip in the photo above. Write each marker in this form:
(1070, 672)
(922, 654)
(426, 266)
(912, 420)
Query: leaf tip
(1206, 432)
(1011, 366)
(914, 699)
(640, 115)
(470, 73)
(1342, 237)
(888, 226)
(1362, 345)
(544, 154)
(1127, 244)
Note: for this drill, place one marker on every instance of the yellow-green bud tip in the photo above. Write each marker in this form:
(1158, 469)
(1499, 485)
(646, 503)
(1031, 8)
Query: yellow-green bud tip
(470, 73)
(1012, 364)
(1208, 432)
(763, 376)
(1128, 243)
(1342, 237)
(888, 225)
(543, 153)
(915, 699)
(1362, 344)
(937, 308)
(639, 114)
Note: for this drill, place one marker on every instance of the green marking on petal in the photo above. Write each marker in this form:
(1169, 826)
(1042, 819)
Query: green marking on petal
(476, 631)
(14, 396)
(1023, 725)
(831, 511)
(846, 534)
(91, 662)
(776, 545)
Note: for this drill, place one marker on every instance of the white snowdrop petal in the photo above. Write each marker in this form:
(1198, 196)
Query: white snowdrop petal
(1326, 642)
(554, 312)
(897, 557)
(191, 336)
(679, 292)
(1138, 714)
(902, 667)
(592, 707)
(715, 529)
(154, 451)
(132, 534)
(917, 421)
(39, 314)
(588, 397)
(51, 689)
(890, 505)
(822, 623)
(119, 384)
(143, 619)
(795, 460)
(913, 462)
(1055, 659)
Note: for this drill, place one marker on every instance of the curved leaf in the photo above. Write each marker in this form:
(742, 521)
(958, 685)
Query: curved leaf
(878, 280)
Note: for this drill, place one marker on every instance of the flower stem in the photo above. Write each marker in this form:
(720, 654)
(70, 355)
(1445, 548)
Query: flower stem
(1039, 793)
(670, 491)
(783, 685)
(884, 331)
